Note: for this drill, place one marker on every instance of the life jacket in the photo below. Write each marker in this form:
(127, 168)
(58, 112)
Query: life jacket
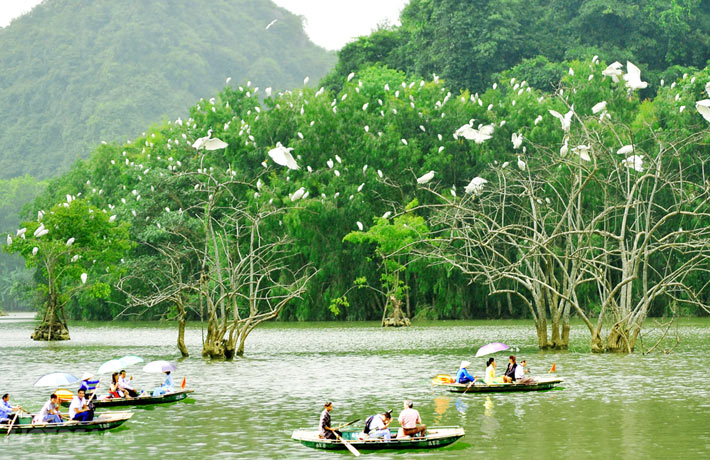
(368, 422)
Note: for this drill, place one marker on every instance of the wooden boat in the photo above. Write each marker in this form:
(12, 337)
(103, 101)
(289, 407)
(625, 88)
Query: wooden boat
(544, 383)
(435, 437)
(138, 401)
(101, 422)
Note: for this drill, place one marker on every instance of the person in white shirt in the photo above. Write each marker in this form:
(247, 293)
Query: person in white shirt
(124, 383)
(50, 411)
(520, 370)
(379, 426)
(79, 408)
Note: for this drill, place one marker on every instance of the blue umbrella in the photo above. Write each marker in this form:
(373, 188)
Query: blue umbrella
(56, 379)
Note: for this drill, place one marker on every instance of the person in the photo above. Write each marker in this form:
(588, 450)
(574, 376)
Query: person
(6, 409)
(490, 371)
(87, 384)
(379, 426)
(462, 376)
(124, 383)
(411, 421)
(326, 431)
(79, 409)
(166, 387)
(114, 390)
(50, 411)
(520, 370)
(509, 376)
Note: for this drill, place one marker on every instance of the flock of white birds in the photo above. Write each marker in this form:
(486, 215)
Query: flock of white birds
(283, 156)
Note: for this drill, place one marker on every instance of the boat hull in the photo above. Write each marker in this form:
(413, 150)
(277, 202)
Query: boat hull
(540, 385)
(101, 422)
(436, 437)
(139, 401)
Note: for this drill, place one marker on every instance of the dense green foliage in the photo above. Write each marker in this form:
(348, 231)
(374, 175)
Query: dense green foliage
(75, 73)
(467, 43)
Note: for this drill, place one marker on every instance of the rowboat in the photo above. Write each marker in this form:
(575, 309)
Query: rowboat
(102, 422)
(138, 401)
(435, 437)
(539, 384)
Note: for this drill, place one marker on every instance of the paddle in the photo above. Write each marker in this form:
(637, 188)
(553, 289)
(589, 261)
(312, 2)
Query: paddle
(348, 424)
(469, 386)
(350, 447)
(17, 414)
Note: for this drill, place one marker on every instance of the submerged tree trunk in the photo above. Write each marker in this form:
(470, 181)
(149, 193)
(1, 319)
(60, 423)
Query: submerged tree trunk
(53, 325)
(181, 330)
(397, 319)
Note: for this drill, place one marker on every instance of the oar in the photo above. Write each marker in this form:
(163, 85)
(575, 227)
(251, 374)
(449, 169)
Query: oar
(348, 424)
(17, 414)
(469, 386)
(350, 447)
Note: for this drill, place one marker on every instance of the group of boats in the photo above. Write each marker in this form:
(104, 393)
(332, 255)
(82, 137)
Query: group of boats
(353, 440)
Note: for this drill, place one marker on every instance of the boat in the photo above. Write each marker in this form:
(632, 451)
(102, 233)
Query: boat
(435, 437)
(145, 400)
(537, 384)
(101, 422)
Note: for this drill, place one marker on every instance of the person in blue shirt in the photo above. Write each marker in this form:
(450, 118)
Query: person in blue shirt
(6, 409)
(87, 384)
(463, 376)
(166, 387)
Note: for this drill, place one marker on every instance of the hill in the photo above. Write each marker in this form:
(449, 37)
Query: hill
(76, 73)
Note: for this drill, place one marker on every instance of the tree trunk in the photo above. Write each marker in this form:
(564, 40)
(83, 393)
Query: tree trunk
(397, 319)
(52, 327)
(620, 340)
(181, 331)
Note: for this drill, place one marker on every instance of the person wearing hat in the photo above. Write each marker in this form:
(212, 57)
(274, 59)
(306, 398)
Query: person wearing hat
(462, 376)
(411, 421)
(379, 426)
(326, 431)
(87, 384)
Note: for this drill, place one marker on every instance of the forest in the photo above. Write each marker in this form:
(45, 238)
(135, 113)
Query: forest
(416, 180)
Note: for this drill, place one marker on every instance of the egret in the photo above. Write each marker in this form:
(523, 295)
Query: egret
(336, 172)
(625, 150)
(359, 225)
(517, 140)
(228, 80)
(505, 164)
(359, 189)
(565, 148)
(351, 75)
(404, 141)
(387, 215)
(599, 106)
(282, 156)
(364, 169)
(298, 194)
(633, 77)
(583, 152)
(9, 240)
(268, 91)
(84, 276)
(613, 71)
(268, 26)
(330, 163)
(305, 80)
(75, 258)
(379, 173)
(35, 250)
(338, 159)
(426, 178)
(259, 184)
(538, 120)
(476, 185)
(209, 143)
(521, 164)
(565, 120)
(634, 162)
(112, 218)
(21, 232)
(703, 107)
(479, 136)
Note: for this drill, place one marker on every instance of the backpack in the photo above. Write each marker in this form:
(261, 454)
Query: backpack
(368, 422)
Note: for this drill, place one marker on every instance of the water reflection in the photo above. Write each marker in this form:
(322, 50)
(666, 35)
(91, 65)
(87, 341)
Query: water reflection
(489, 425)
(441, 405)
(461, 406)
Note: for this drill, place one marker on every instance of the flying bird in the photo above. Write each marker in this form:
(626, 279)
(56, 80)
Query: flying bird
(703, 107)
(614, 71)
(479, 136)
(268, 26)
(633, 77)
(209, 143)
(565, 120)
(282, 156)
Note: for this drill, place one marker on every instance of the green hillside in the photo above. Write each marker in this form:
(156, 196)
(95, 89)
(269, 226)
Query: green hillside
(76, 73)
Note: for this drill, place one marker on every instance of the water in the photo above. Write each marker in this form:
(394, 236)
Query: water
(612, 406)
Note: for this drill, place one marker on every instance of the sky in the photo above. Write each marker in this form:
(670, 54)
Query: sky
(329, 23)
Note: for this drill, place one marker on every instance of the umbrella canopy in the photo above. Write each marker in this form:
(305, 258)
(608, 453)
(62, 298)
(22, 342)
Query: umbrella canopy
(130, 360)
(159, 366)
(491, 348)
(56, 379)
(108, 367)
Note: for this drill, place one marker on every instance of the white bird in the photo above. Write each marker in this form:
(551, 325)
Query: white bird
(703, 107)
(270, 24)
(625, 150)
(387, 215)
(360, 187)
(330, 163)
(259, 184)
(521, 164)
(364, 169)
(479, 136)
(75, 258)
(305, 80)
(635, 162)
(268, 91)
(9, 240)
(35, 250)
(70, 241)
(338, 159)
(565, 148)
(517, 140)
(379, 173)
(298, 194)
(404, 141)
(209, 143)
(228, 80)
(613, 70)
(583, 152)
(476, 185)
(565, 120)
(538, 120)
(633, 77)
(336, 172)
(351, 75)
(426, 178)
(112, 218)
(282, 156)
(359, 225)
(599, 106)
(84, 276)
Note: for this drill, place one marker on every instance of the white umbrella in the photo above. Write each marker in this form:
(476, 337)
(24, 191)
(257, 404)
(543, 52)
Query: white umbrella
(114, 365)
(159, 366)
(56, 379)
(130, 360)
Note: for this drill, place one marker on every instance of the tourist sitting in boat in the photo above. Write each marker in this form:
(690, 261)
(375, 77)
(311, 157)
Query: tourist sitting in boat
(509, 376)
(6, 409)
(326, 431)
(114, 390)
(462, 376)
(50, 411)
(87, 384)
(79, 408)
(411, 421)
(490, 377)
(124, 383)
(377, 426)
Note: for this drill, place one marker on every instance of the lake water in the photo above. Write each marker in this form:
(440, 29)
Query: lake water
(611, 406)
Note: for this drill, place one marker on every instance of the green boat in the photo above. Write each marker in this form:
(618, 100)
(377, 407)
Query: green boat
(101, 422)
(138, 401)
(435, 437)
(538, 385)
